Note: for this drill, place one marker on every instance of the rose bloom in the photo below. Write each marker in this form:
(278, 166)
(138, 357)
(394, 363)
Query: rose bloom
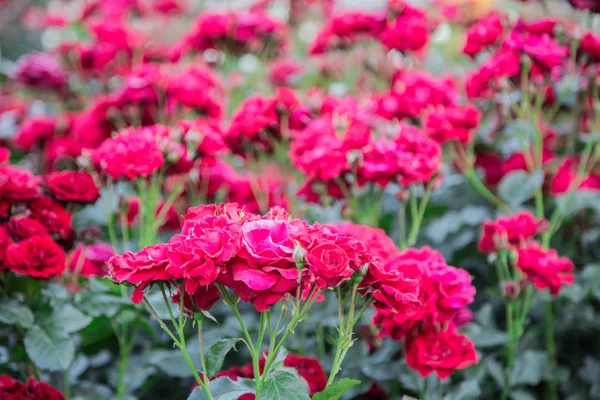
(375, 240)
(409, 32)
(486, 32)
(36, 256)
(592, 5)
(452, 123)
(264, 270)
(590, 44)
(34, 131)
(148, 265)
(196, 88)
(39, 69)
(22, 227)
(90, 260)
(441, 352)
(566, 174)
(333, 257)
(509, 231)
(419, 157)
(18, 184)
(73, 186)
(285, 72)
(210, 237)
(394, 287)
(53, 217)
(455, 290)
(11, 389)
(544, 268)
(129, 155)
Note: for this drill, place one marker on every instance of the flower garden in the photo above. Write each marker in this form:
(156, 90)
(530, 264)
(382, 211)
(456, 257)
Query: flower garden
(303, 199)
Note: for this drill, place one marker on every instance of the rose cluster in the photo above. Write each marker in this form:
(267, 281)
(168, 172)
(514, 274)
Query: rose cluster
(424, 304)
(541, 266)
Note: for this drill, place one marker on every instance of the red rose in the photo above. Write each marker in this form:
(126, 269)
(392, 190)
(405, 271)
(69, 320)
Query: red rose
(544, 268)
(590, 44)
(333, 257)
(452, 123)
(39, 69)
(441, 352)
(202, 299)
(73, 186)
(38, 390)
(11, 389)
(37, 256)
(34, 131)
(395, 287)
(150, 264)
(375, 239)
(23, 227)
(509, 231)
(18, 184)
(486, 32)
(592, 5)
(264, 270)
(90, 261)
(418, 157)
(329, 263)
(409, 32)
(53, 217)
(210, 237)
(131, 155)
(567, 174)
(310, 369)
(196, 88)
(455, 290)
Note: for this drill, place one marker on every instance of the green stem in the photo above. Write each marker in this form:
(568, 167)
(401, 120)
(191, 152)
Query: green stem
(66, 384)
(483, 190)
(346, 330)
(551, 392)
(202, 356)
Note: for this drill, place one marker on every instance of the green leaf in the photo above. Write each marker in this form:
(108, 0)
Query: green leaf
(518, 186)
(283, 384)
(97, 304)
(216, 355)
(13, 312)
(224, 389)
(171, 362)
(65, 318)
(530, 368)
(49, 350)
(336, 390)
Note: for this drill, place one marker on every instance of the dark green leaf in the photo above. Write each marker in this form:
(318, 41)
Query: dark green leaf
(283, 384)
(518, 186)
(216, 355)
(336, 390)
(531, 367)
(224, 389)
(49, 350)
(64, 318)
(14, 313)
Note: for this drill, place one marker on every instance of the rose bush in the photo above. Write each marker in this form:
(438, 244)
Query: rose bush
(296, 200)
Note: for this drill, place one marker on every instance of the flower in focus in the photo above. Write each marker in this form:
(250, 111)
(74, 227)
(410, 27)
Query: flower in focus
(149, 264)
(202, 299)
